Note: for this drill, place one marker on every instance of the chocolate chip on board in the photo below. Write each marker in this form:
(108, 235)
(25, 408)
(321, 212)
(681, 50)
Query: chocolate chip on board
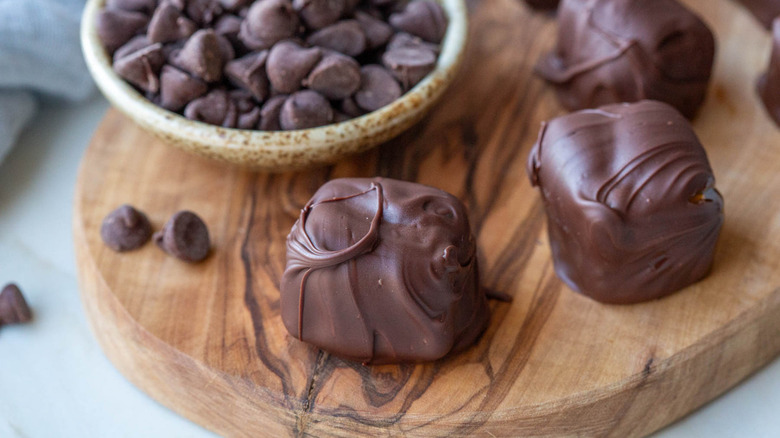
(184, 236)
(125, 229)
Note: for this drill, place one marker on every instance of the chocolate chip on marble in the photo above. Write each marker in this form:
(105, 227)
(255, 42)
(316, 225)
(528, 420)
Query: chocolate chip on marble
(125, 229)
(184, 236)
(377, 32)
(141, 68)
(269, 113)
(248, 72)
(115, 27)
(409, 65)
(422, 18)
(178, 88)
(143, 6)
(13, 306)
(378, 88)
(288, 64)
(201, 56)
(317, 14)
(346, 37)
(214, 108)
(169, 24)
(336, 76)
(407, 40)
(305, 109)
(268, 22)
(203, 12)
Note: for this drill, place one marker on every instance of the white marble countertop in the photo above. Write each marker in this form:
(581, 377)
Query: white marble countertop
(55, 380)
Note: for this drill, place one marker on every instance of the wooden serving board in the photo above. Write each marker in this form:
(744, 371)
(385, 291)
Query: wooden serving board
(207, 340)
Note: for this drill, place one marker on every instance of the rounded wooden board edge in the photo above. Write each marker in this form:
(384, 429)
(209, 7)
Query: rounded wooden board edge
(662, 393)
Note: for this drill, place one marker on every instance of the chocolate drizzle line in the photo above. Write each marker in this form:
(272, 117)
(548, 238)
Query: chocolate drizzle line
(316, 258)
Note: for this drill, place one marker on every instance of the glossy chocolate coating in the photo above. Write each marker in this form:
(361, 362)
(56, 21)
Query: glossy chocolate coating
(764, 10)
(632, 211)
(769, 83)
(611, 51)
(383, 271)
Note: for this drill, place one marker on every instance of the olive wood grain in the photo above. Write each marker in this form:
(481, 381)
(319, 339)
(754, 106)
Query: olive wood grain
(207, 339)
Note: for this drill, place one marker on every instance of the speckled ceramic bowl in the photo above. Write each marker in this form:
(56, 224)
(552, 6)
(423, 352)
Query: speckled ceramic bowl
(279, 150)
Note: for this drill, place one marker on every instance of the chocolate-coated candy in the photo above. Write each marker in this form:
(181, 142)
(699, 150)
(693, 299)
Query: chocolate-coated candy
(169, 24)
(627, 50)
(383, 271)
(543, 5)
(769, 83)
(336, 76)
(141, 68)
(125, 229)
(248, 73)
(215, 108)
(317, 14)
(143, 6)
(632, 211)
(346, 37)
(305, 109)
(201, 56)
(288, 64)
(409, 64)
(184, 236)
(422, 18)
(178, 88)
(269, 113)
(764, 10)
(116, 26)
(377, 32)
(267, 22)
(13, 306)
(377, 88)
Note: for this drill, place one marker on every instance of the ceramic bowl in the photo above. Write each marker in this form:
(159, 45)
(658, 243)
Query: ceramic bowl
(278, 150)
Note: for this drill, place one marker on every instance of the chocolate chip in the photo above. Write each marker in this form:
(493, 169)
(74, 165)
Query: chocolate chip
(178, 88)
(346, 37)
(350, 108)
(409, 65)
(214, 108)
(201, 56)
(203, 12)
(141, 67)
(422, 18)
(269, 113)
(336, 76)
(339, 117)
(228, 26)
(305, 109)
(226, 50)
(247, 111)
(234, 5)
(377, 32)
(13, 307)
(319, 13)
(406, 40)
(184, 236)
(268, 22)
(143, 6)
(115, 27)
(136, 43)
(169, 24)
(125, 229)
(378, 88)
(248, 73)
(288, 64)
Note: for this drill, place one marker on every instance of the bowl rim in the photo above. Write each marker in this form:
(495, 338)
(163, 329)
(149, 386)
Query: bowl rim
(215, 138)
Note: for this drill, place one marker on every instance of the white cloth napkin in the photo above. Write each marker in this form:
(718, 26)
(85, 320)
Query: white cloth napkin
(39, 55)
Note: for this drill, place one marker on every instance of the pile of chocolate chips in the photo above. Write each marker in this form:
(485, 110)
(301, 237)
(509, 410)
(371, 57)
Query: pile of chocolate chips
(272, 64)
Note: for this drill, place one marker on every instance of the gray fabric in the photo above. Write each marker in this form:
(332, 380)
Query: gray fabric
(39, 55)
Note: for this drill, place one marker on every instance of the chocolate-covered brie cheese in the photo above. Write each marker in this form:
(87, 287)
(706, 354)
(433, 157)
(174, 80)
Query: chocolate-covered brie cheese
(632, 211)
(383, 271)
(611, 51)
